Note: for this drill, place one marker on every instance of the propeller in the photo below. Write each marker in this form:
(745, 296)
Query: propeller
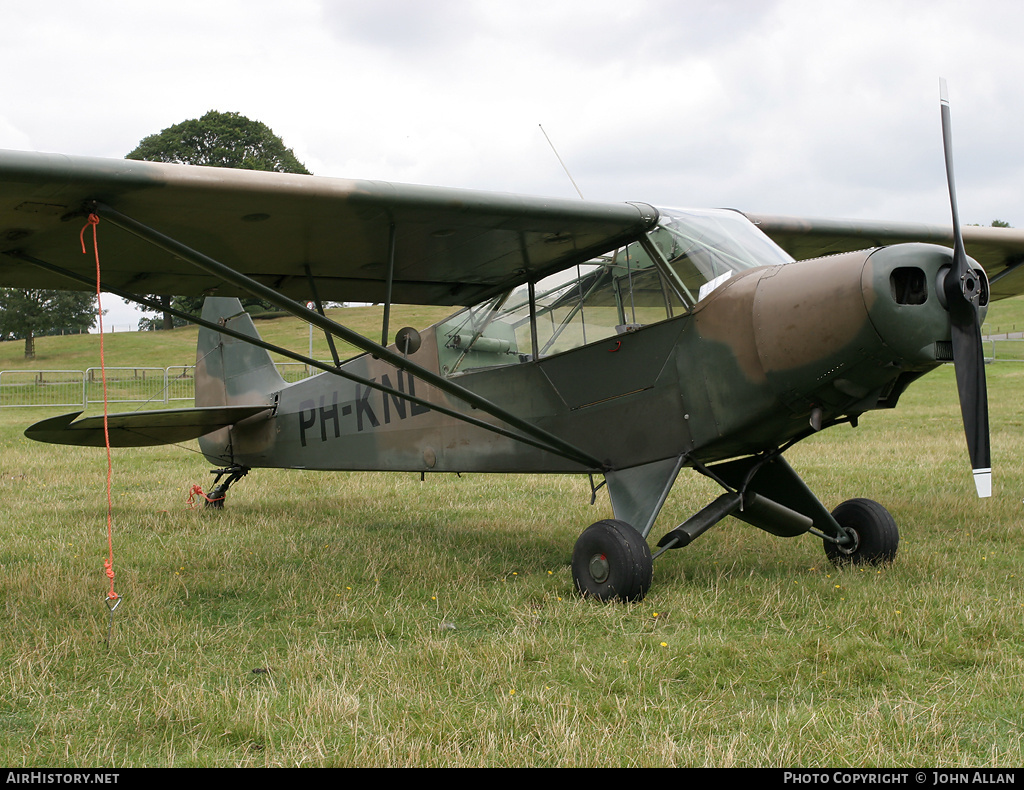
(965, 290)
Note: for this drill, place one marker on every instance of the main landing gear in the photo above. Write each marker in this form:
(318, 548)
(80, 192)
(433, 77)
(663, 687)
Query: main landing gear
(873, 533)
(612, 560)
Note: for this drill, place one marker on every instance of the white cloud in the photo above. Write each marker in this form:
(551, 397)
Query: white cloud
(790, 106)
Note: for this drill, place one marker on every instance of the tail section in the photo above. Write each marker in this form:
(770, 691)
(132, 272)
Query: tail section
(231, 372)
(236, 384)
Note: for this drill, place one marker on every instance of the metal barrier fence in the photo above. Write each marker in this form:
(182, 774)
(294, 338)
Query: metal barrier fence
(1003, 349)
(180, 383)
(42, 388)
(124, 385)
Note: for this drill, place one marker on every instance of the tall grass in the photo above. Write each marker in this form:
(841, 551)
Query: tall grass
(326, 619)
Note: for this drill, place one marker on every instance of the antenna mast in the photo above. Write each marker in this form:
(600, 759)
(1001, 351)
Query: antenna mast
(566, 169)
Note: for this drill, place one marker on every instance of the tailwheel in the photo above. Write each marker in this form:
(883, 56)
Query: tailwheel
(215, 499)
(873, 530)
(611, 561)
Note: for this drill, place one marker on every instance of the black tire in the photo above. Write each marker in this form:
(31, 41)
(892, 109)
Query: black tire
(876, 537)
(612, 561)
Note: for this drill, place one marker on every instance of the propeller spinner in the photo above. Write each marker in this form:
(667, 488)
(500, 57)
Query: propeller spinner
(966, 291)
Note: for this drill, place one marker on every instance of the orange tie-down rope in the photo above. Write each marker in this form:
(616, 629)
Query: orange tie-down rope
(113, 599)
(195, 492)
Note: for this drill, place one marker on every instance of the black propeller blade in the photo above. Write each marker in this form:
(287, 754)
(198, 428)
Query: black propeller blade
(966, 291)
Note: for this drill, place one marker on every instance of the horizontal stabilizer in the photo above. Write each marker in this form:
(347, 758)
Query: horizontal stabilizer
(140, 428)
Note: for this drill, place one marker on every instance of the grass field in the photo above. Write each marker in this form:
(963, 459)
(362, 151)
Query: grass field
(327, 619)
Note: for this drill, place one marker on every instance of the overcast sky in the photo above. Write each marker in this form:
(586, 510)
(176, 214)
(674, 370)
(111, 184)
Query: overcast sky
(821, 108)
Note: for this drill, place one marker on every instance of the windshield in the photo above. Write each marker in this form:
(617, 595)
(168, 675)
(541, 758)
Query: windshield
(704, 248)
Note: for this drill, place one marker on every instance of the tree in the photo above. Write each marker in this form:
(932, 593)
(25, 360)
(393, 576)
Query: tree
(218, 139)
(28, 313)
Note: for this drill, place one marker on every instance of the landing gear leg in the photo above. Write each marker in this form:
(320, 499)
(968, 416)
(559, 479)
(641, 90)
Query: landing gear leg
(216, 497)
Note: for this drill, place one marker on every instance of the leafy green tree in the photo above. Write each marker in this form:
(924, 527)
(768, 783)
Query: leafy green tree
(218, 139)
(28, 313)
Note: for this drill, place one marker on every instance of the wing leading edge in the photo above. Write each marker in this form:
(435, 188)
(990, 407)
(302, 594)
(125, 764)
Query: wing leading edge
(999, 250)
(449, 246)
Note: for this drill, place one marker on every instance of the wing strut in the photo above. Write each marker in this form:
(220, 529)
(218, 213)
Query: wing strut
(369, 383)
(540, 438)
(391, 282)
(320, 309)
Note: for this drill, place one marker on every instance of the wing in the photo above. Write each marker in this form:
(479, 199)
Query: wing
(450, 246)
(999, 250)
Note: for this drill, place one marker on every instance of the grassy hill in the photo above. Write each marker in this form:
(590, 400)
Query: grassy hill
(178, 347)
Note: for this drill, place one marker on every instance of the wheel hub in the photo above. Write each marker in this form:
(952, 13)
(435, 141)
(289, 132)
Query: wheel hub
(853, 545)
(599, 568)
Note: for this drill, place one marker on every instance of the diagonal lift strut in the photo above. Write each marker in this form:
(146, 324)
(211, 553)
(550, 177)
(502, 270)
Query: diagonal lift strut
(547, 440)
(224, 330)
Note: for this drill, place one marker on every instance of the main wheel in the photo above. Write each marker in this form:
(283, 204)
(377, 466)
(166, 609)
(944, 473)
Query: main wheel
(612, 560)
(874, 533)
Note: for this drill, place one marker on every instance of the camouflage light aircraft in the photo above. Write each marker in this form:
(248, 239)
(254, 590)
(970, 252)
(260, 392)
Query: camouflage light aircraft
(601, 339)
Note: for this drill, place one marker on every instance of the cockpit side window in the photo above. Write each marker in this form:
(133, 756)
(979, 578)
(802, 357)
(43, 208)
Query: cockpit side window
(593, 301)
(694, 252)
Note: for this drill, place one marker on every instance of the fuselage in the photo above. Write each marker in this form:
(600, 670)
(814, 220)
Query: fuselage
(659, 351)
